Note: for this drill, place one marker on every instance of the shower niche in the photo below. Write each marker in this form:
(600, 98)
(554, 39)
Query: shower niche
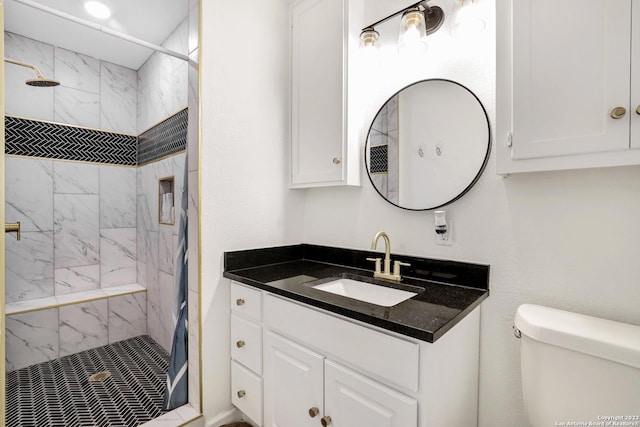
(166, 201)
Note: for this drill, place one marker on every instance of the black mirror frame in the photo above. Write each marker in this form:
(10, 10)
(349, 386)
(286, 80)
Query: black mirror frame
(480, 170)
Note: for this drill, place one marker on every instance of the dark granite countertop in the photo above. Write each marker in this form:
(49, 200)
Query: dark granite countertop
(447, 290)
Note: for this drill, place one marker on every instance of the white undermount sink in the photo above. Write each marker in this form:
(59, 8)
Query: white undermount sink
(368, 292)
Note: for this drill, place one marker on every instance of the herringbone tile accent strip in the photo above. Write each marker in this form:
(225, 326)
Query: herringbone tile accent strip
(378, 158)
(164, 139)
(33, 138)
(24, 137)
(58, 393)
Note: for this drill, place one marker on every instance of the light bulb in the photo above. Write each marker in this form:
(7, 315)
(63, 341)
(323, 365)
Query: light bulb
(467, 20)
(368, 38)
(413, 32)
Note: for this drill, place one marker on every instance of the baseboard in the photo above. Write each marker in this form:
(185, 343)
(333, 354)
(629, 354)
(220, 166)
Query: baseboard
(225, 418)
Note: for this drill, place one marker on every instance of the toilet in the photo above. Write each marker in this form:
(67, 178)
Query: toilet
(578, 369)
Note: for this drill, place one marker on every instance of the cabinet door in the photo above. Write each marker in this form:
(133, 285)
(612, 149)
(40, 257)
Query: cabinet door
(292, 384)
(318, 101)
(571, 68)
(354, 400)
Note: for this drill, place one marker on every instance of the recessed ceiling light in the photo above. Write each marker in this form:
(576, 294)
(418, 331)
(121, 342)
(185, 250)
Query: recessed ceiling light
(97, 9)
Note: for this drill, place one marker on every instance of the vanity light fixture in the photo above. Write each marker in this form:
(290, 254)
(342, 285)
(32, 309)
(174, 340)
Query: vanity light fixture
(418, 21)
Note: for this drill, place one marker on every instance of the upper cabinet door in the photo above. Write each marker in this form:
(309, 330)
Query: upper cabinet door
(571, 69)
(318, 92)
(567, 84)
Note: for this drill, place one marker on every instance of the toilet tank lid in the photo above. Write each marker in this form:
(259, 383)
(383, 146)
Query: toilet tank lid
(608, 339)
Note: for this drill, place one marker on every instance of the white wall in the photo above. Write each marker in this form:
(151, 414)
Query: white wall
(564, 239)
(244, 161)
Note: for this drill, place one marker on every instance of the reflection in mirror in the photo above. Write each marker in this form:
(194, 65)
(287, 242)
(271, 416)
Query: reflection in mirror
(428, 145)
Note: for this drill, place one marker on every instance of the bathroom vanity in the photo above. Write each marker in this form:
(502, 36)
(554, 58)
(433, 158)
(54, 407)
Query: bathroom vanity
(304, 356)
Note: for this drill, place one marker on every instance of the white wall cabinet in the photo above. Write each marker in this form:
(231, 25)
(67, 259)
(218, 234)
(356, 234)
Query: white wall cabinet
(568, 86)
(324, 151)
(320, 368)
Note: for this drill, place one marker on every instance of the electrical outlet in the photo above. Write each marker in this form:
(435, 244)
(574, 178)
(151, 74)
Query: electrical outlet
(445, 238)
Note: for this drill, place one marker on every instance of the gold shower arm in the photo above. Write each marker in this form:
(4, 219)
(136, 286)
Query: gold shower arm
(13, 228)
(24, 64)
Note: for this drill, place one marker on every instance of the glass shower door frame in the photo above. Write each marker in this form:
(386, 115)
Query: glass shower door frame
(2, 221)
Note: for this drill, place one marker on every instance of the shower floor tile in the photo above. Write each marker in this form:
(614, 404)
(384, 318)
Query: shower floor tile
(59, 393)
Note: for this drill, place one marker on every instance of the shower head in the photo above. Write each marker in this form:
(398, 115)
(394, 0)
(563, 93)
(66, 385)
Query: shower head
(40, 80)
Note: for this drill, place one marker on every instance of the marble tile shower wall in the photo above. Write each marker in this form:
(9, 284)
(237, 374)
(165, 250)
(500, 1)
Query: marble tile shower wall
(72, 242)
(163, 81)
(92, 93)
(78, 234)
(157, 245)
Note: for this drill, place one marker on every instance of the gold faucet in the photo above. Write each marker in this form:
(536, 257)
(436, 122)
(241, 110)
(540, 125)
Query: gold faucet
(386, 274)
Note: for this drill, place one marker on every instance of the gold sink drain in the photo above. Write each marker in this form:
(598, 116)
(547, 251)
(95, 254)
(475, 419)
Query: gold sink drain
(100, 376)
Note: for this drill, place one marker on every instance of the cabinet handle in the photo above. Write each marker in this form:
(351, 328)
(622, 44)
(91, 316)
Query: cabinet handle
(239, 301)
(618, 113)
(313, 412)
(325, 421)
(241, 394)
(240, 344)
(336, 160)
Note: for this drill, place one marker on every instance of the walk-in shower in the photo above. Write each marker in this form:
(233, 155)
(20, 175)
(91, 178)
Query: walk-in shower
(89, 289)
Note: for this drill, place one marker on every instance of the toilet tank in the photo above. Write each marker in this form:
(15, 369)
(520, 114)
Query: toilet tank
(578, 369)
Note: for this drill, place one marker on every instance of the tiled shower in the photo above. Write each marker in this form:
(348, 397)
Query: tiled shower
(93, 265)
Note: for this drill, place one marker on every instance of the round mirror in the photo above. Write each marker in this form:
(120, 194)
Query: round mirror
(428, 145)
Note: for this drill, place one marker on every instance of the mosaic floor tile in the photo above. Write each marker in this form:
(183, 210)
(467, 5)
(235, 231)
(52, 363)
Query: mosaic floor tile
(59, 393)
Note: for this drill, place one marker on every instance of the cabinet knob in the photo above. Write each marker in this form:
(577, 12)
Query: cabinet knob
(239, 301)
(336, 160)
(638, 110)
(313, 412)
(240, 344)
(241, 394)
(325, 421)
(618, 113)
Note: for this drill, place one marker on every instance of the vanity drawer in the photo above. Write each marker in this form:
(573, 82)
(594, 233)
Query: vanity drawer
(246, 300)
(246, 392)
(380, 355)
(246, 343)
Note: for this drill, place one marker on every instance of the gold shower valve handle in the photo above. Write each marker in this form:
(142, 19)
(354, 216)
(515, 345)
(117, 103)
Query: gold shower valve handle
(313, 412)
(13, 228)
(618, 113)
(325, 421)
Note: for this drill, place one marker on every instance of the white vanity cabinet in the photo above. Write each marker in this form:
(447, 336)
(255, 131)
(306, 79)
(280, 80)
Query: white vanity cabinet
(324, 152)
(314, 377)
(319, 368)
(246, 351)
(568, 88)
